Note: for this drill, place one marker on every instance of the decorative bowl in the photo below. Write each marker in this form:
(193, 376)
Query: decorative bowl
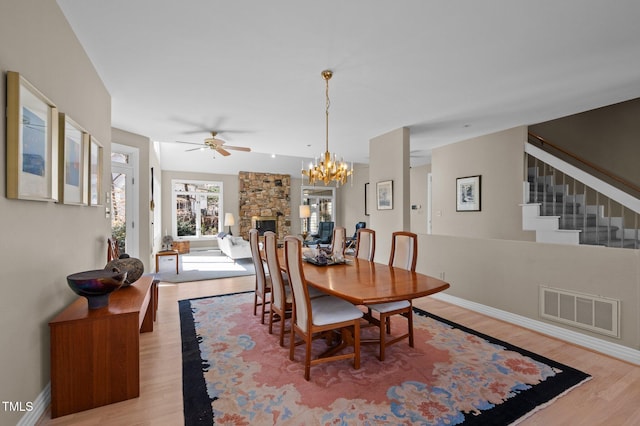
(132, 266)
(96, 285)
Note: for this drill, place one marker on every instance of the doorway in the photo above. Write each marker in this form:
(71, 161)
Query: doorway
(322, 203)
(124, 197)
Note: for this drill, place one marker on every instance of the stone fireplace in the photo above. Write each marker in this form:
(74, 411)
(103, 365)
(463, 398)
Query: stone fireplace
(265, 203)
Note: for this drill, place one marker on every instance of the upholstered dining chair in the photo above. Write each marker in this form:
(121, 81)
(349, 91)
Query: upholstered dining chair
(404, 254)
(338, 242)
(281, 298)
(311, 317)
(262, 295)
(365, 244)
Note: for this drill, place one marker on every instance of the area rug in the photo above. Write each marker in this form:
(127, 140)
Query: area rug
(206, 265)
(234, 372)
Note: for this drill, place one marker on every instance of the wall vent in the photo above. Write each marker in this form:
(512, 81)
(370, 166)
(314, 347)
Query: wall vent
(594, 313)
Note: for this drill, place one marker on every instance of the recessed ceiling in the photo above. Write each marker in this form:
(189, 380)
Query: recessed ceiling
(177, 70)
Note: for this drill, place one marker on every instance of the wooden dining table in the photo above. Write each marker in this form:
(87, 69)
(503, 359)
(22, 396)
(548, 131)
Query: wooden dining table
(362, 282)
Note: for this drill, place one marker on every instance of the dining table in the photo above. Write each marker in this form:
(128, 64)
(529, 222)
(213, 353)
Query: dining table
(363, 282)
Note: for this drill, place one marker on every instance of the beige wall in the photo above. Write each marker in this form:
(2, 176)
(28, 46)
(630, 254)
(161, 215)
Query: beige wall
(499, 160)
(389, 160)
(44, 242)
(419, 198)
(606, 136)
(507, 274)
(350, 200)
(488, 259)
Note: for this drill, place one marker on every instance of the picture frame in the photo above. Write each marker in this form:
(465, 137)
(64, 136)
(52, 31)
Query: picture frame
(95, 172)
(384, 195)
(366, 199)
(32, 142)
(468, 194)
(73, 162)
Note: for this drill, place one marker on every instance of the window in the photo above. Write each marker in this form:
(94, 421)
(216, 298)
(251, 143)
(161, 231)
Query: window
(196, 208)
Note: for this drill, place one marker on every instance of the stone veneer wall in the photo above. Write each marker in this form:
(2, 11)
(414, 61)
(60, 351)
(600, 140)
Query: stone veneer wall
(265, 195)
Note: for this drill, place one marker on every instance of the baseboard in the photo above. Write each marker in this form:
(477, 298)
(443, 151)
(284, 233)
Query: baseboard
(40, 405)
(608, 348)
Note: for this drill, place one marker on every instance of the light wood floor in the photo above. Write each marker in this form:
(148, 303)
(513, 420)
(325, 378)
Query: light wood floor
(612, 397)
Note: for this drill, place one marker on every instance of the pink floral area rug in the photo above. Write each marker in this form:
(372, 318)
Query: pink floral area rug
(236, 373)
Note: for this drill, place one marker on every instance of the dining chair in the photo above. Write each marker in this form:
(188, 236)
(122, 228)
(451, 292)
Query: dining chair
(365, 244)
(281, 298)
(263, 283)
(404, 254)
(311, 317)
(338, 242)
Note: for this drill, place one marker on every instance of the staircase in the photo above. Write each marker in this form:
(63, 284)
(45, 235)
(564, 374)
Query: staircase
(566, 205)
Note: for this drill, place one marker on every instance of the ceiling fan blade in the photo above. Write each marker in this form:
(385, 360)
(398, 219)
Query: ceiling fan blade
(196, 149)
(223, 151)
(238, 148)
(190, 143)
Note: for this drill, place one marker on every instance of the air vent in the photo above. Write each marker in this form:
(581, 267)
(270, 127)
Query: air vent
(595, 313)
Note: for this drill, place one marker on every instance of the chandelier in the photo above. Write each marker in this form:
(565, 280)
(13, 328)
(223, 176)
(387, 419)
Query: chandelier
(327, 168)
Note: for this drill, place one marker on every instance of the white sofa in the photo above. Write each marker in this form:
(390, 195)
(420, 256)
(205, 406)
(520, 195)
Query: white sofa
(234, 247)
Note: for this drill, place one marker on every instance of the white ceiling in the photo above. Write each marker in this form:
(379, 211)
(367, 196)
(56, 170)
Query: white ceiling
(448, 70)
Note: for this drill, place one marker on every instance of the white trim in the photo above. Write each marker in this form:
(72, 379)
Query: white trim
(40, 405)
(608, 348)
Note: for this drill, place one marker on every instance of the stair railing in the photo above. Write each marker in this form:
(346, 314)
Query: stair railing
(590, 198)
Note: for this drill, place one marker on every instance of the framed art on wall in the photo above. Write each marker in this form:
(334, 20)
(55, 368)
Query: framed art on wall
(95, 172)
(468, 193)
(366, 199)
(32, 142)
(74, 159)
(384, 195)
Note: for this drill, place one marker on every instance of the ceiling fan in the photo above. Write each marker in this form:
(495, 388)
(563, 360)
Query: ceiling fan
(218, 145)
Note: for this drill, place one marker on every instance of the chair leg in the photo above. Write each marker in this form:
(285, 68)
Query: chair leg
(410, 325)
(383, 334)
(271, 321)
(255, 303)
(282, 320)
(292, 342)
(356, 344)
(307, 358)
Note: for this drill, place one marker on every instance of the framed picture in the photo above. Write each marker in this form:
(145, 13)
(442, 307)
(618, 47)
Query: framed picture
(468, 194)
(95, 172)
(32, 142)
(366, 199)
(384, 195)
(74, 162)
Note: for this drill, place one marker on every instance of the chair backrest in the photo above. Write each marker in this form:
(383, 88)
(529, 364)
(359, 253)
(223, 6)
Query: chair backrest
(325, 231)
(261, 277)
(113, 250)
(359, 225)
(301, 303)
(338, 242)
(404, 250)
(277, 283)
(365, 244)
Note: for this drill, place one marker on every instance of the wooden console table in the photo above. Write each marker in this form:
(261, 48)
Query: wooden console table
(95, 354)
